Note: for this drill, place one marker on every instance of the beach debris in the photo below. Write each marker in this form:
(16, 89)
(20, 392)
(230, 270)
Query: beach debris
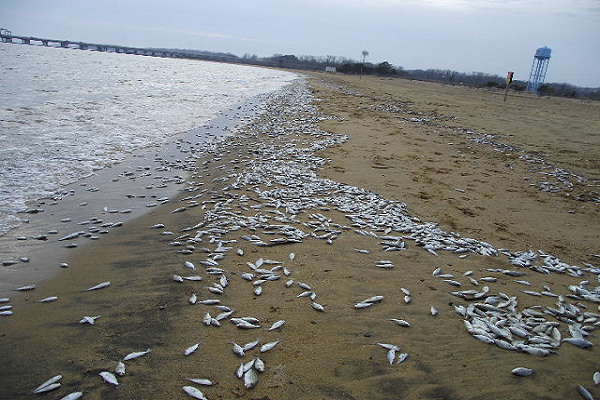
(25, 288)
(136, 354)
(89, 320)
(522, 371)
(49, 385)
(73, 396)
(191, 349)
(109, 378)
(98, 286)
(120, 368)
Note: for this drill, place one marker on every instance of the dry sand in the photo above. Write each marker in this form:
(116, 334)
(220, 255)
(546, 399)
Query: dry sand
(333, 355)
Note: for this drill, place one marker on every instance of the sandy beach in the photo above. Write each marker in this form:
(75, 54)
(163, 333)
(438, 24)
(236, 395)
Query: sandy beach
(440, 186)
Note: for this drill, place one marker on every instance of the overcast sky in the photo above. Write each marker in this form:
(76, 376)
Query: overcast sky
(492, 36)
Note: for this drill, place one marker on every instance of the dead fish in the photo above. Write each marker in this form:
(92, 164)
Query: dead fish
(579, 342)
(239, 252)
(49, 382)
(72, 236)
(177, 278)
(136, 354)
(389, 346)
(268, 346)
(209, 302)
(596, 378)
(24, 288)
(201, 381)
(391, 355)
(237, 349)
(193, 299)
(4, 299)
(89, 320)
(99, 286)
(259, 365)
(193, 392)
(584, 393)
(522, 371)
(400, 322)
(407, 299)
(109, 377)
(157, 226)
(191, 349)
(73, 396)
(258, 290)
(292, 256)
(401, 358)
(317, 306)
(189, 265)
(250, 379)
(362, 305)
(120, 368)
(48, 299)
(250, 345)
(276, 325)
(194, 278)
(434, 311)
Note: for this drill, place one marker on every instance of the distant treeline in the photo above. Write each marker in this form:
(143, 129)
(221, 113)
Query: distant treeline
(349, 66)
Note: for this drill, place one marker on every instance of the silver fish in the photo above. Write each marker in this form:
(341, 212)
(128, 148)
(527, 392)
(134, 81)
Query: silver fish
(434, 311)
(268, 346)
(317, 306)
(596, 378)
(191, 349)
(276, 325)
(201, 381)
(24, 288)
(190, 265)
(522, 371)
(49, 382)
(109, 377)
(193, 299)
(4, 299)
(400, 322)
(48, 299)
(73, 396)
(98, 286)
(584, 393)
(259, 365)
(48, 388)
(177, 278)
(250, 379)
(136, 354)
(579, 342)
(237, 349)
(120, 368)
(391, 355)
(401, 358)
(193, 392)
(6, 313)
(89, 320)
(250, 345)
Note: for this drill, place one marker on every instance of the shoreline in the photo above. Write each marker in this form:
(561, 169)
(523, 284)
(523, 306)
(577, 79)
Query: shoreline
(270, 180)
(144, 179)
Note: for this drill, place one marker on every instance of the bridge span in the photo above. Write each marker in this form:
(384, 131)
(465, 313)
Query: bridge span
(7, 37)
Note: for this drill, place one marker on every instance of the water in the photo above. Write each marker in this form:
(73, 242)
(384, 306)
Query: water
(66, 113)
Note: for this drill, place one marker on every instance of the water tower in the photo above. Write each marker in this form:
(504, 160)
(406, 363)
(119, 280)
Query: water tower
(538, 69)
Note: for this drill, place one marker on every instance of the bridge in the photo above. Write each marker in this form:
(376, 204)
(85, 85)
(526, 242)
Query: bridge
(6, 36)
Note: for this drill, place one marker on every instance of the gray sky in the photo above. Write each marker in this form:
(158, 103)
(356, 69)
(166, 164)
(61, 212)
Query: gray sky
(492, 36)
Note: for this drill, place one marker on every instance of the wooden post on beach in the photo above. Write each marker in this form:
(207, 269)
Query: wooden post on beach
(509, 79)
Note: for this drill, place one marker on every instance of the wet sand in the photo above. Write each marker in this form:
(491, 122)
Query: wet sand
(331, 354)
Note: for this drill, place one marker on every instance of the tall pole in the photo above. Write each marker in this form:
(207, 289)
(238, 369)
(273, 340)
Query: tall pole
(509, 78)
